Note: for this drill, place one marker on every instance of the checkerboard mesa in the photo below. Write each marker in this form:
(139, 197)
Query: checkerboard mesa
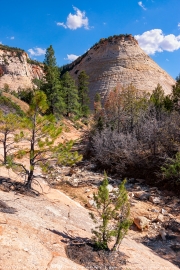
(119, 60)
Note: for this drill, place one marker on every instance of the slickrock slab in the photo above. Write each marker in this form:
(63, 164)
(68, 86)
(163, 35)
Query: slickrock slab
(142, 258)
(38, 230)
(3, 220)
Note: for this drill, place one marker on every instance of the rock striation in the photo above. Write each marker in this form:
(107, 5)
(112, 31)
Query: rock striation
(119, 60)
(16, 69)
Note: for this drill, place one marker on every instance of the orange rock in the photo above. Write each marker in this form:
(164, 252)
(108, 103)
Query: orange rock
(1, 230)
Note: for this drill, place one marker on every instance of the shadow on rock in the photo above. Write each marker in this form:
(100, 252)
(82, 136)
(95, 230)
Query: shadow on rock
(7, 185)
(6, 209)
(169, 248)
(84, 252)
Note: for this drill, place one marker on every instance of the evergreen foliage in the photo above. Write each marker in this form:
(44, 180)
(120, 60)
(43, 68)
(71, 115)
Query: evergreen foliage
(83, 93)
(158, 99)
(63, 96)
(41, 135)
(70, 95)
(112, 215)
(25, 95)
(171, 169)
(176, 94)
(6, 88)
(12, 107)
(9, 124)
(34, 62)
(11, 49)
(52, 85)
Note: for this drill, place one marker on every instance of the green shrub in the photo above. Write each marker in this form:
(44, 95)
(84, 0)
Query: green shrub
(33, 62)
(171, 170)
(11, 105)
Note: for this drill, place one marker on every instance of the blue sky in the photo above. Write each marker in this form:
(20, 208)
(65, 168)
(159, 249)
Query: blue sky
(73, 26)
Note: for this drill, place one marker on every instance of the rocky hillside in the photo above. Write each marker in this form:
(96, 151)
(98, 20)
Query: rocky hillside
(16, 69)
(119, 59)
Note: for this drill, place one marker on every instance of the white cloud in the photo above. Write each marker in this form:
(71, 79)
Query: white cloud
(37, 51)
(61, 24)
(0, 42)
(155, 41)
(76, 20)
(179, 25)
(141, 5)
(11, 37)
(71, 57)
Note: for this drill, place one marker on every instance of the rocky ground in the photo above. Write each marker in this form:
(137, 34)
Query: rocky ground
(35, 230)
(156, 213)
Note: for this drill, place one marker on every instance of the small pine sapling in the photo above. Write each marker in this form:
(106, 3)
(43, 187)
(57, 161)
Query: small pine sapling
(112, 216)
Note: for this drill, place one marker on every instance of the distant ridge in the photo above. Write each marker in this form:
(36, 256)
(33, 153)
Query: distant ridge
(17, 69)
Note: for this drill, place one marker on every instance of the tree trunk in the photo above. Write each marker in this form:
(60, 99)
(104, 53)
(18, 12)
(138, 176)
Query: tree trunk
(31, 160)
(5, 147)
(30, 179)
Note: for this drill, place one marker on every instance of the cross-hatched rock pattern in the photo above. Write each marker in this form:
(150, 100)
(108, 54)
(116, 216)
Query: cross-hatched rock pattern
(119, 60)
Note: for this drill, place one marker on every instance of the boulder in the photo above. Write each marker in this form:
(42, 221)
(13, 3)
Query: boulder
(141, 222)
(110, 188)
(154, 200)
(160, 218)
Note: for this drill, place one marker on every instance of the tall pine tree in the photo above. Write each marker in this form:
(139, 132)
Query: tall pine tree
(70, 95)
(83, 93)
(52, 85)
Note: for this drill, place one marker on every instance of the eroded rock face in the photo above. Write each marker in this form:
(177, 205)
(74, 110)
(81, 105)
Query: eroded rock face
(120, 60)
(16, 71)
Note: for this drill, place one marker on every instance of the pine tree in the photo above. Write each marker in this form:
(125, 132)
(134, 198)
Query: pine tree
(70, 95)
(83, 93)
(176, 94)
(157, 98)
(9, 125)
(52, 85)
(41, 135)
(112, 215)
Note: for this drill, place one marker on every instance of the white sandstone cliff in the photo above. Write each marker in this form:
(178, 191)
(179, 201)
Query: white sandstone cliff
(16, 71)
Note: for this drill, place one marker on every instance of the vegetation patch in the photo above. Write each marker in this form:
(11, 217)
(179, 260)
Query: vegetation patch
(11, 49)
(34, 62)
(137, 135)
(9, 106)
